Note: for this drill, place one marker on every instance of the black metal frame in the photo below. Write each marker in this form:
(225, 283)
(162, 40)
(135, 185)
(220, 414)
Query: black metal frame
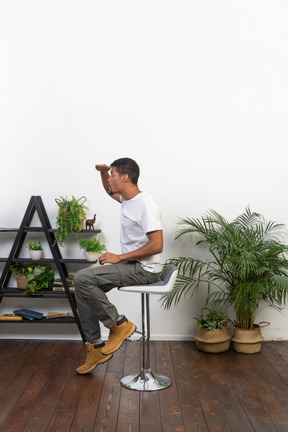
(36, 205)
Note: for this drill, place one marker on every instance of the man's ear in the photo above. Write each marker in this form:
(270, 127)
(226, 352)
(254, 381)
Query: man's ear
(125, 178)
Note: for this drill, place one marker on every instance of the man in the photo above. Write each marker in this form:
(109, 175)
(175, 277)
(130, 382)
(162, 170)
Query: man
(141, 240)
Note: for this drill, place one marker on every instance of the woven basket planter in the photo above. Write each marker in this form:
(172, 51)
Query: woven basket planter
(21, 282)
(212, 341)
(248, 341)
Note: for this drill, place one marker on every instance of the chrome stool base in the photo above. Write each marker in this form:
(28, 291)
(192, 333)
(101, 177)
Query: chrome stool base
(146, 381)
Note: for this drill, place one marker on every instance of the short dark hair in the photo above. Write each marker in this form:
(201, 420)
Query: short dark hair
(127, 166)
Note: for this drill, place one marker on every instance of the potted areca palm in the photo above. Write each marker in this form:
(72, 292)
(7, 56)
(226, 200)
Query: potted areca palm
(246, 267)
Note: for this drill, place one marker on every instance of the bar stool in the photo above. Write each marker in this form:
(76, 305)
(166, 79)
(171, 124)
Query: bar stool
(147, 380)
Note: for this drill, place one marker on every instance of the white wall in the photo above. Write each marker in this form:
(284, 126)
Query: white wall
(195, 91)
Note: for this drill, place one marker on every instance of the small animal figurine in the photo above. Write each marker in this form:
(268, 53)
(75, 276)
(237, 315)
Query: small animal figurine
(90, 223)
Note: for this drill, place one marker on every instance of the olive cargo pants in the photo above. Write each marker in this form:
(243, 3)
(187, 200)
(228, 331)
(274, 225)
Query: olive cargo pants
(91, 286)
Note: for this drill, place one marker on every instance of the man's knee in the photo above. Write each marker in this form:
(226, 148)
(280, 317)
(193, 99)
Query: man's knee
(80, 278)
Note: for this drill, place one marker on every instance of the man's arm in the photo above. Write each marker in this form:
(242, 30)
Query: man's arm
(154, 246)
(104, 171)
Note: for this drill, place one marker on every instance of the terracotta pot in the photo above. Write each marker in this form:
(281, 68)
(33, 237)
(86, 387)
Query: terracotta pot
(212, 341)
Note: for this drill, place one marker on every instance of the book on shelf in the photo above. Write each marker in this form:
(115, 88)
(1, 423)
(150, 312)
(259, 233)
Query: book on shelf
(61, 288)
(28, 314)
(51, 315)
(10, 317)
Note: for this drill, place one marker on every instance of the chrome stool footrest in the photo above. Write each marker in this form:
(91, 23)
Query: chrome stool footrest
(135, 340)
(146, 381)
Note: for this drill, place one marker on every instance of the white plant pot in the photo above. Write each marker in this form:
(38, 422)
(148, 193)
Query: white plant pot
(91, 256)
(35, 254)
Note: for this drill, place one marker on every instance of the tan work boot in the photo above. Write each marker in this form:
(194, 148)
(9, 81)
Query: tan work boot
(118, 333)
(94, 358)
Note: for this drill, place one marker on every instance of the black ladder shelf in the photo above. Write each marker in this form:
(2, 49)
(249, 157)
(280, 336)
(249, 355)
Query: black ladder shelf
(36, 205)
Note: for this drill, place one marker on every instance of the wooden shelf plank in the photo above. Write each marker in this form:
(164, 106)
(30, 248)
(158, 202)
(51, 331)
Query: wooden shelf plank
(51, 230)
(44, 320)
(45, 293)
(51, 260)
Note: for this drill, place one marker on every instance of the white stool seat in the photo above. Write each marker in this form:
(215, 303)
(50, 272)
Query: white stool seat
(163, 286)
(146, 380)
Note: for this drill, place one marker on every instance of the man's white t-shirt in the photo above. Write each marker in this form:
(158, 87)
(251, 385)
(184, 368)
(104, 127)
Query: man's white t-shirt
(139, 216)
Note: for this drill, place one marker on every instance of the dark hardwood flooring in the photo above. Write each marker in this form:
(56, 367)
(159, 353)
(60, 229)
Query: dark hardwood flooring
(40, 391)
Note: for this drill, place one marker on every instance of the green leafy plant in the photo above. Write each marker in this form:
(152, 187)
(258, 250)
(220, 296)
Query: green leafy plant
(19, 269)
(34, 245)
(212, 320)
(246, 264)
(71, 214)
(91, 245)
(37, 276)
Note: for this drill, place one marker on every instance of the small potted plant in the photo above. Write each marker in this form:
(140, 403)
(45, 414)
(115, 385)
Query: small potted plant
(32, 278)
(212, 334)
(71, 214)
(35, 249)
(92, 248)
(20, 271)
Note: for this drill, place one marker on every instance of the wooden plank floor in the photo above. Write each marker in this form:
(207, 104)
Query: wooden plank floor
(40, 391)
